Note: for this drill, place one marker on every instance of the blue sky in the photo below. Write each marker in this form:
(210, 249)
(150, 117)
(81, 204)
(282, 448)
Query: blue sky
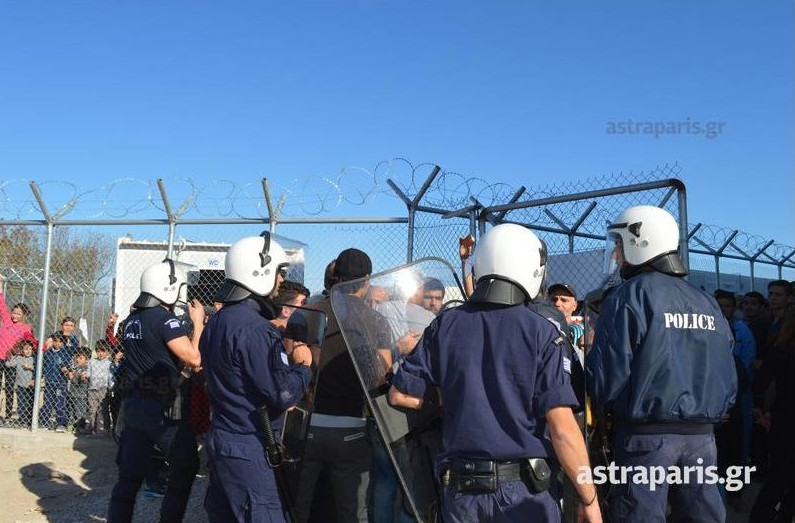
(515, 92)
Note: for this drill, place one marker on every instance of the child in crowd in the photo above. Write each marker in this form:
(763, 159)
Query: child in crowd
(78, 389)
(56, 375)
(99, 384)
(24, 362)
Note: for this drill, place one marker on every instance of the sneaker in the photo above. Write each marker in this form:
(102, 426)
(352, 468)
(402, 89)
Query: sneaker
(60, 429)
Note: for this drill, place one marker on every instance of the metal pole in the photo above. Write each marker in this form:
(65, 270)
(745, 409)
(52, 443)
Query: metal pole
(753, 283)
(55, 311)
(172, 223)
(45, 290)
(271, 215)
(410, 242)
(684, 252)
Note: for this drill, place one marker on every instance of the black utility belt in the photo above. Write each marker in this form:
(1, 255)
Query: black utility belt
(483, 475)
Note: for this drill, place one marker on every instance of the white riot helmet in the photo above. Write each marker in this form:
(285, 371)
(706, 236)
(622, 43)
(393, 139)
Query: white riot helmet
(512, 253)
(163, 283)
(252, 265)
(643, 236)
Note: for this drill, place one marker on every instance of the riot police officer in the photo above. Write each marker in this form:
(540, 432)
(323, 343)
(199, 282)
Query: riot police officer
(156, 348)
(499, 367)
(246, 369)
(662, 362)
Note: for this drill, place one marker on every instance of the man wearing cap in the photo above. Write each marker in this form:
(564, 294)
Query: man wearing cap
(337, 441)
(564, 297)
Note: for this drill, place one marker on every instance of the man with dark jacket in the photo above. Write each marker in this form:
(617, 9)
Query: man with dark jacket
(662, 362)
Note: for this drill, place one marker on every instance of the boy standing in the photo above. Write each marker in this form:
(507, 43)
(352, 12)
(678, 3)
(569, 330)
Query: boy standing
(56, 376)
(78, 389)
(99, 383)
(24, 364)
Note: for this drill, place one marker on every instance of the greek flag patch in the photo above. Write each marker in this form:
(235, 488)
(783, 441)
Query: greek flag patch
(566, 365)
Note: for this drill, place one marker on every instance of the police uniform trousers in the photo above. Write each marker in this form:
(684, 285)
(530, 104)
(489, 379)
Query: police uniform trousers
(242, 484)
(144, 427)
(511, 502)
(631, 502)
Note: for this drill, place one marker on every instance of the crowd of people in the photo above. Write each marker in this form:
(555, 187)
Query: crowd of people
(77, 389)
(509, 366)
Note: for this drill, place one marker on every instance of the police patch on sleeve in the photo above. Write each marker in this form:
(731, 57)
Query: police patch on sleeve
(561, 344)
(173, 323)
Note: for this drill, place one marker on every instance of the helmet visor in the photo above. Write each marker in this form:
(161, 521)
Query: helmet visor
(186, 274)
(614, 253)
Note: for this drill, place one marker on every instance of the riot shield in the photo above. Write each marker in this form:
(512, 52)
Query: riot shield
(397, 305)
(305, 326)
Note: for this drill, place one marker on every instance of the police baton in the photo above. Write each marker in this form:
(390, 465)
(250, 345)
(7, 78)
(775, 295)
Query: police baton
(274, 453)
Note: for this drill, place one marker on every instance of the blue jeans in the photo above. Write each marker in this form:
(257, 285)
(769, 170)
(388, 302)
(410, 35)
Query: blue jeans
(144, 427)
(384, 486)
(637, 502)
(54, 400)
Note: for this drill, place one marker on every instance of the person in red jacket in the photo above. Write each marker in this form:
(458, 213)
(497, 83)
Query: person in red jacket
(12, 329)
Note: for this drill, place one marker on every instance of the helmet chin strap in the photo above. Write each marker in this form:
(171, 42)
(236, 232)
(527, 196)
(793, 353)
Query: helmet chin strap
(266, 306)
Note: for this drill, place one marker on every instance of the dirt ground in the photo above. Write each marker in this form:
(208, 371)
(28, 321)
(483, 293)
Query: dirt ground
(60, 478)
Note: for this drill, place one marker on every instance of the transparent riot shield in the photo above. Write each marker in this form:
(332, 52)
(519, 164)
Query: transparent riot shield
(382, 318)
(304, 326)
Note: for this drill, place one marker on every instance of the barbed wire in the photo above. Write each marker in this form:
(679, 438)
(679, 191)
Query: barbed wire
(312, 195)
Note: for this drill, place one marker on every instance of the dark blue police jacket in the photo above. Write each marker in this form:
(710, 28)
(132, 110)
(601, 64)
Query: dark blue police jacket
(499, 369)
(246, 367)
(662, 356)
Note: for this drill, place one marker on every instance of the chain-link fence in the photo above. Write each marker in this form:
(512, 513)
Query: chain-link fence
(87, 271)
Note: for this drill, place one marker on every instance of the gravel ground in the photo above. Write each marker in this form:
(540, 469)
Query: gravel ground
(60, 478)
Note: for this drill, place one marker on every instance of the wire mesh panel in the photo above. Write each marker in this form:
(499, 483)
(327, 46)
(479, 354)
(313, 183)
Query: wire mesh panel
(88, 272)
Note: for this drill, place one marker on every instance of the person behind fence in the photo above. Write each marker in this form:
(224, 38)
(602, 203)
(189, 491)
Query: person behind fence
(248, 375)
(775, 501)
(744, 351)
(499, 366)
(55, 369)
(77, 399)
(99, 384)
(12, 329)
(156, 347)
(466, 246)
(24, 363)
(662, 361)
(70, 336)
